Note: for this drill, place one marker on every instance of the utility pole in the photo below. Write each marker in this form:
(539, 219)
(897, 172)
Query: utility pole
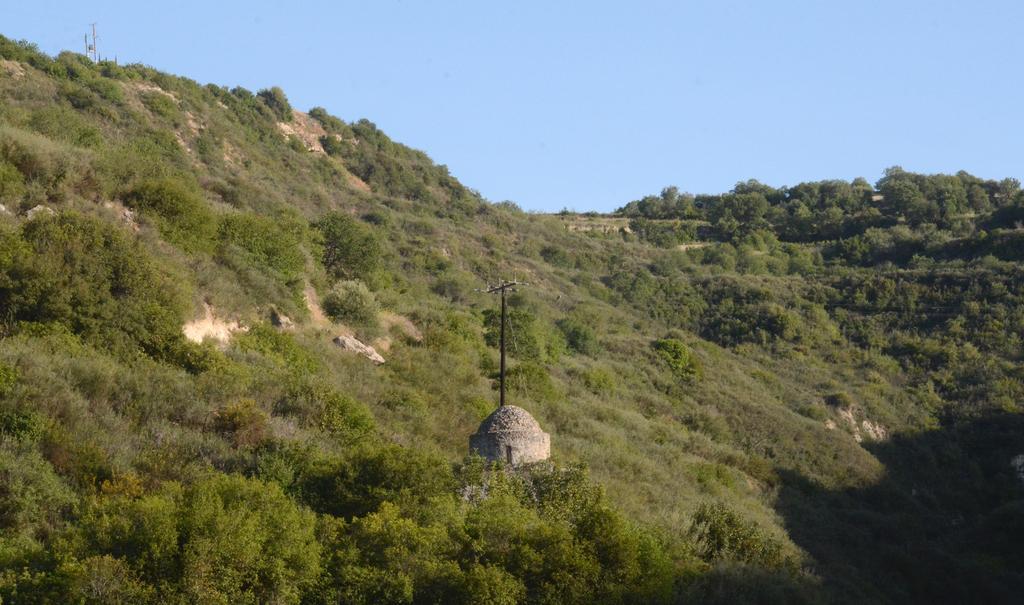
(503, 288)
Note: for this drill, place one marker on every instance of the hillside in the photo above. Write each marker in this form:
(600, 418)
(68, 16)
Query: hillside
(774, 395)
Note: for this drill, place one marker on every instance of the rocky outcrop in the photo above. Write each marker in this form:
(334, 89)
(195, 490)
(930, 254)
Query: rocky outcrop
(1017, 462)
(351, 343)
(212, 327)
(40, 209)
(859, 429)
(281, 321)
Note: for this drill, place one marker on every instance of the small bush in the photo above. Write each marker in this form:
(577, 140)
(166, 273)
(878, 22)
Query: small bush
(351, 302)
(161, 105)
(350, 249)
(280, 347)
(12, 183)
(179, 211)
(329, 122)
(579, 335)
(275, 99)
(599, 380)
(319, 406)
(531, 380)
(334, 146)
(722, 535)
(244, 422)
(265, 242)
(680, 359)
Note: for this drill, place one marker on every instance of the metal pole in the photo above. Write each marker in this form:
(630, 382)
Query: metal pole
(502, 347)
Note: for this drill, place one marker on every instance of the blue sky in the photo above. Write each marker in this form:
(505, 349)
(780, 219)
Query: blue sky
(588, 105)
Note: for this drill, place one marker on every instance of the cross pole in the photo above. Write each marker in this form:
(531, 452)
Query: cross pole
(503, 287)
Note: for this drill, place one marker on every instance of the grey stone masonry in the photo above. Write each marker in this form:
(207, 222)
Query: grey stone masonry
(511, 435)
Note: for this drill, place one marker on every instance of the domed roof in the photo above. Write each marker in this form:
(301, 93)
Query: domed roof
(507, 419)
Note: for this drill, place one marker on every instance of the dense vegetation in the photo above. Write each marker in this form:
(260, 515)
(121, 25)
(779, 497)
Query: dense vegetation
(773, 395)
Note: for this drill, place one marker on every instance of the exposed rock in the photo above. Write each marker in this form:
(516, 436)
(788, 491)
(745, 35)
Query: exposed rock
(1017, 462)
(874, 430)
(865, 428)
(306, 129)
(4, 210)
(350, 343)
(211, 327)
(12, 68)
(153, 88)
(39, 209)
(127, 215)
(280, 320)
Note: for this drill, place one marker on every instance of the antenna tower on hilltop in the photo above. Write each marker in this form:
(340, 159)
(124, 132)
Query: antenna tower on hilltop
(90, 47)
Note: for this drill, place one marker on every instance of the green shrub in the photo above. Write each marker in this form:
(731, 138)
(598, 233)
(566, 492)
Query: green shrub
(51, 169)
(12, 183)
(374, 474)
(722, 535)
(94, 279)
(334, 146)
(8, 376)
(531, 380)
(105, 579)
(275, 99)
(330, 123)
(243, 421)
(579, 335)
(351, 302)
(279, 347)
(556, 256)
(680, 359)
(599, 380)
(162, 105)
(22, 425)
(64, 124)
(839, 399)
(321, 407)
(34, 500)
(265, 243)
(527, 337)
(179, 211)
(226, 539)
(351, 250)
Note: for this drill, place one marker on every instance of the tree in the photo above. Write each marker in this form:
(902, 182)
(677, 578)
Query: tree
(351, 249)
(903, 197)
(277, 102)
(737, 215)
(680, 359)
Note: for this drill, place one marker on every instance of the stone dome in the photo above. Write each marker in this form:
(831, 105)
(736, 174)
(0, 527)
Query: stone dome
(510, 434)
(508, 418)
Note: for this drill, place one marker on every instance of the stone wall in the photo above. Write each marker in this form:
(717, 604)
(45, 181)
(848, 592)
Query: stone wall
(522, 446)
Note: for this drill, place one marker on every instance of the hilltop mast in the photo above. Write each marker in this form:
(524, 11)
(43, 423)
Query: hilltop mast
(90, 48)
